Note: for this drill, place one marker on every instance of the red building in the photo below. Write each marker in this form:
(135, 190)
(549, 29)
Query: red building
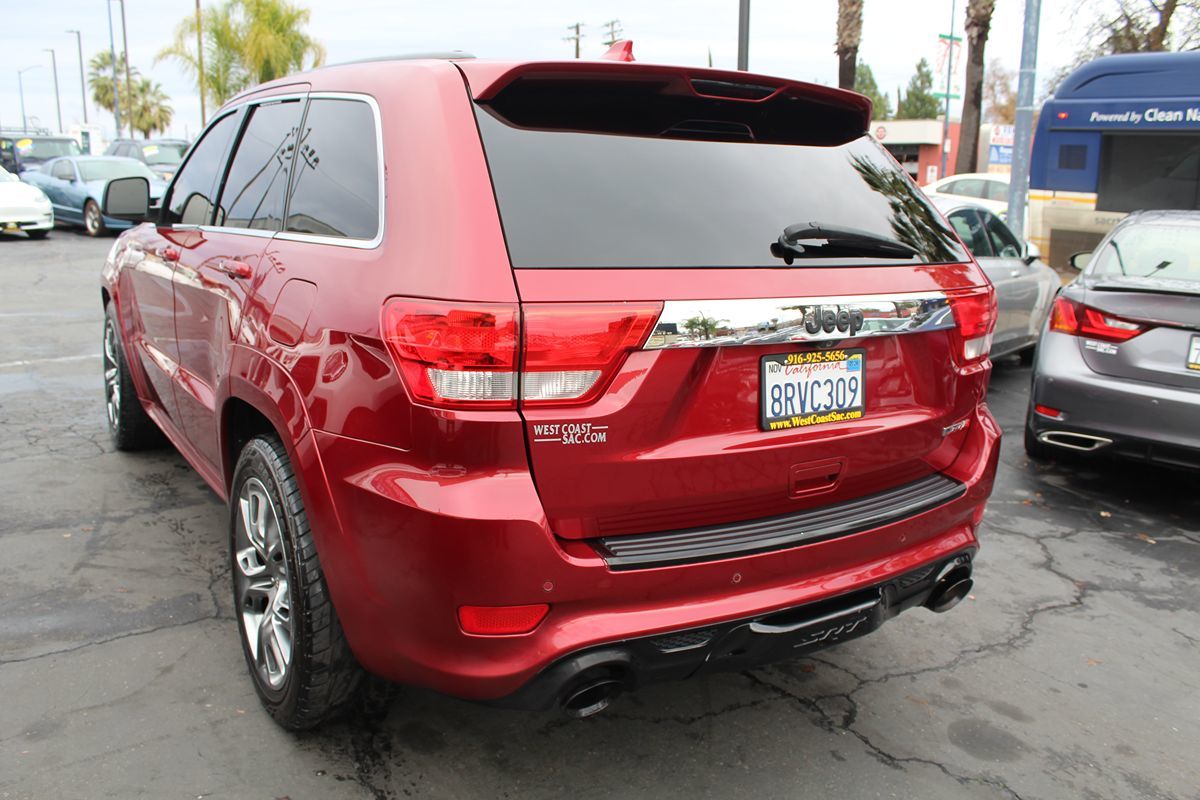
(916, 144)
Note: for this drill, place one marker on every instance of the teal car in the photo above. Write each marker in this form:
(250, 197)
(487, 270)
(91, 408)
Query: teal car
(75, 186)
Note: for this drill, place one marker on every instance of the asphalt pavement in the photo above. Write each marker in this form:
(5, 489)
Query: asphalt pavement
(1071, 672)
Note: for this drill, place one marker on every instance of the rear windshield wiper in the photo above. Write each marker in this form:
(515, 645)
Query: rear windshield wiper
(818, 239)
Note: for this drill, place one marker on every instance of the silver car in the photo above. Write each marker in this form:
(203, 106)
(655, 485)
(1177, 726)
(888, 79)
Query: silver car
(1025, 286)
(1118, 369)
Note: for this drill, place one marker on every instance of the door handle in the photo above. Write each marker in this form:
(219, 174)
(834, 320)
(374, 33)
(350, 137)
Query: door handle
(1016, 273)
(236, 269)
(167, 254)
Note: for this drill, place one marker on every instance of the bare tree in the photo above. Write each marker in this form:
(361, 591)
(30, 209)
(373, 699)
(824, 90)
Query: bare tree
(999, 94)
(849, 36)
(979, 23)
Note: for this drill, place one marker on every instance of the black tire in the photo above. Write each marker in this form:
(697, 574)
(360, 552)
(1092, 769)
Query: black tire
(1027, 355)
(128, 424)
(321, 678)
(93, 220)
(37, 234)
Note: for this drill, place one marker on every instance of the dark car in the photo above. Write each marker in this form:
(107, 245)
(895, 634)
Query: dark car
(1118, 368)
(478, 364)
(162, 156)
(20, 152)
(75, 186)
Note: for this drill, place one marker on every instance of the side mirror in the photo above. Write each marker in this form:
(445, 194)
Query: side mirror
(1080, 260)
(127, 198)
(1032, 253)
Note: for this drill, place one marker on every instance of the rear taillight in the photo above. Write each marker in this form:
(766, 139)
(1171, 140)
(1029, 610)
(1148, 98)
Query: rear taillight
(465, 355)
(1072, 317)
(452, 354)
(975, 315)
(573, 349)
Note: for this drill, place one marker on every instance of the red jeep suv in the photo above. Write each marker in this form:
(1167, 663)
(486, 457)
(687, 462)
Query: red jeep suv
(534, 382)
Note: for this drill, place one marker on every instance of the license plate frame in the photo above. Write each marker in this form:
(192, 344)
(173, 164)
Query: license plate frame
(1193, 355)
(818, 364)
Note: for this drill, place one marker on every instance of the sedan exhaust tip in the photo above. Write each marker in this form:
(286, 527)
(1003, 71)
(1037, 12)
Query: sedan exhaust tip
(1074, 441)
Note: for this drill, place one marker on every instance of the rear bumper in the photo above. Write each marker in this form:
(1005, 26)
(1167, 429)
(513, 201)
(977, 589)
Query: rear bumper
(404, 545)
(1131, 419)
(737, 644)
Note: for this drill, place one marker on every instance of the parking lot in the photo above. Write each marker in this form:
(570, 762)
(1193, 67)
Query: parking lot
(1072, 671)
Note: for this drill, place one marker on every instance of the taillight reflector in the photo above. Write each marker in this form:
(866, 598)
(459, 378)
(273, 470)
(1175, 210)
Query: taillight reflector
(1047, 411)
(1074, 318)
(466, 354)
(501, 620)
(975, 315)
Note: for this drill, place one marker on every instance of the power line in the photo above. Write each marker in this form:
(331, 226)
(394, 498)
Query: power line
(578, 35)
(614, 32)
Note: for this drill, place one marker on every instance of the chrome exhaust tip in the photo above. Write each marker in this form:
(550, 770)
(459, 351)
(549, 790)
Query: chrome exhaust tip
(591, 698)
(951, 586)
(1084, 442)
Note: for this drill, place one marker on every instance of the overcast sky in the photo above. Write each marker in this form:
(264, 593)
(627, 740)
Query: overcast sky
(791, 38)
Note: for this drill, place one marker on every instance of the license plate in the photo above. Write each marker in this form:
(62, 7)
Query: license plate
(1193, 359)
(797, 390)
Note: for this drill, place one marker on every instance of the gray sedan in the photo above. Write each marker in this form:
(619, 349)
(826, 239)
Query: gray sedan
(1024, 285)
(1118, 369)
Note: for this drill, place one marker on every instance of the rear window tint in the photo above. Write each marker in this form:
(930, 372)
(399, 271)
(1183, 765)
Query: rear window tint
(572, 198)
(336, 189)
(258, 173)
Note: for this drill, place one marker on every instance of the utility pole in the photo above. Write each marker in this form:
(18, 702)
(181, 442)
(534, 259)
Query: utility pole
(82, 84)
(200, 61)
(576, 37)
(614, 32)
(1023, 135)
(57, 102)
(949, 78)
(743, 63)
(128, 80)
(112, 51)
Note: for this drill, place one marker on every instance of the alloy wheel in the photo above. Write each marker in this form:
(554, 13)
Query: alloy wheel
(112, 375)
(91, 218)
(261, 582)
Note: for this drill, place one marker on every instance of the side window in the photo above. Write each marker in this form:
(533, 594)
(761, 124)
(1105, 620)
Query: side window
(190, 201)
(1003, 241)
(63, 171)
(997, 191)
(950, 188)
(336, 190)
(971, 187)
(258, 172)
(968, 227)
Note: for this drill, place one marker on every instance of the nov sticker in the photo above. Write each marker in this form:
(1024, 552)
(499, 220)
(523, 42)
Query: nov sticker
(571, 433)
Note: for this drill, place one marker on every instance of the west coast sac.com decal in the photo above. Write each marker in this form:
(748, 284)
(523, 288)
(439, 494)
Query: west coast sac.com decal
(571, 433)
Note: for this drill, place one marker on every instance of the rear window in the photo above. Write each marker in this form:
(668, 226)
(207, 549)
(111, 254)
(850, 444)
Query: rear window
(697, 192)
(1152, 252)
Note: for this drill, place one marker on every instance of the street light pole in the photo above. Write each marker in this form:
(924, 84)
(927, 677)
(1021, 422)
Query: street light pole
(1018, 183)
(112, 51)
(82, 84)
(200, 61)
(743, 55)
(57, 101)
(949, 79)
(128, 80)
(21, 89)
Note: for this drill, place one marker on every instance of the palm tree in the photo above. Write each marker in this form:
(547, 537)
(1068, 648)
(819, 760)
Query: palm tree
(245, 42)
(849, 35)
(151, 107)
(979, 23)
(100, 78)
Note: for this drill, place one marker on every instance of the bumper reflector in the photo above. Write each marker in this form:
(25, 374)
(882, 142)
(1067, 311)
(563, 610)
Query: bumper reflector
(501, 620)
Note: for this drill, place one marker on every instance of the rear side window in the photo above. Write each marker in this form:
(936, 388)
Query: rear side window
(602, 175)
(997, 191)
(1003, 241)
(257, 180)
(336, 188)
(968, 227)
(190, 202)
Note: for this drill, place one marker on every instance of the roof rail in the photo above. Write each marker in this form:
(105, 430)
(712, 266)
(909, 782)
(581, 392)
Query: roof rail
(433, 55)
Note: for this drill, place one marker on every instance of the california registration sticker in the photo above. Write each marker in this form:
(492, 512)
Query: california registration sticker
(1193, 359)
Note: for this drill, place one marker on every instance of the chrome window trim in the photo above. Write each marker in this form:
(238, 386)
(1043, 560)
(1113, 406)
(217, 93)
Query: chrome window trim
(312, 238)
(764, 321)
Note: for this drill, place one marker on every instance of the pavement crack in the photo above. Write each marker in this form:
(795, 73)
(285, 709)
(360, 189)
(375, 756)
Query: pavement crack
(118, 637)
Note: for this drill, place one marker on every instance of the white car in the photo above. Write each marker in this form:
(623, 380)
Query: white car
(986, 189)
(23, 207)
